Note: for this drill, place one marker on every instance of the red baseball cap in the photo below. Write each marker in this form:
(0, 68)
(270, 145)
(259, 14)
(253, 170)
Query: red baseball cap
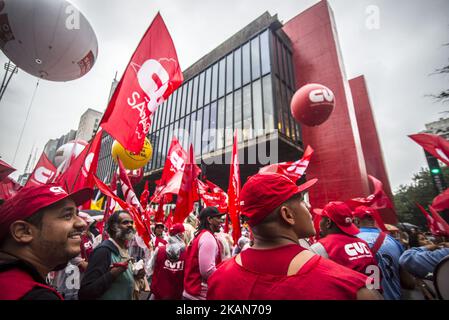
(264, 192)
(176, 229)
(30, 200)
(363, 212)
(341, 215)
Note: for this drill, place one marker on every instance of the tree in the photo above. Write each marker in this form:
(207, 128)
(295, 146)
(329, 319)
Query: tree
(443, 96)
(421, 191)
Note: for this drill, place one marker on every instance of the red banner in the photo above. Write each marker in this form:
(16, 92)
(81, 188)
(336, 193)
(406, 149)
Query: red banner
(110, 205)
(188, 193)
(213, 196)
(377, 200)
(151, 76)
(234, 192)
(293, 170)
(440, 225)
(43, 173)
(8, 188)
(435, 145)
(5, 170)
(441, 202)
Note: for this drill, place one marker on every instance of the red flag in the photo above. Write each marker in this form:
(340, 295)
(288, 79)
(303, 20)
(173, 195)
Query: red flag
(80, 173)
(213, 196)
(377, 200)
(441, 202)
(234, 192)
(5, 170)
(140, 227)
(435, 145)
(144, 196)
(293, 170)
(188, 193)
(110, 205)
(42, 173)
(440, 225)
(151, 76)
(8, 188)
(430, 220)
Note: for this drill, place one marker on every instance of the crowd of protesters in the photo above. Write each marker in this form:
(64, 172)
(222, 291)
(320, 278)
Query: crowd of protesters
(49, 251)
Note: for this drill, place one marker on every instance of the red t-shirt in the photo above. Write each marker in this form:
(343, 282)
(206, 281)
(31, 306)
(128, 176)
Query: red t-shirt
(351, 252)
(318, 279)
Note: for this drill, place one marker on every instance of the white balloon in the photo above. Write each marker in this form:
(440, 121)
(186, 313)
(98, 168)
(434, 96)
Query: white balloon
(64, 152)
(50, 39)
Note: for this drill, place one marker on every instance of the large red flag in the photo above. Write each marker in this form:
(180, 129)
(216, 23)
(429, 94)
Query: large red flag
(430, 220)
(81, 170)
(140, 227)
(234, 192)
(188, 193)
(151, 76)
(441, 202)
(440, 225)
(43, 173)
(213, 196)
(294, 170)
(5, 170)
(377, 200)
(435, 145)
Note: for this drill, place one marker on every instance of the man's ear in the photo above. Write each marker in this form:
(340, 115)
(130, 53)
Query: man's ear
(287, 215)
(22, 231)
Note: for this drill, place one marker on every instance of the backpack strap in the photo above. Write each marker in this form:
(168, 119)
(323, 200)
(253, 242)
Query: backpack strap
(379, 241)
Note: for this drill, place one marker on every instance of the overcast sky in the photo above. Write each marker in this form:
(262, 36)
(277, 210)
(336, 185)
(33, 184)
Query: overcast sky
(396, 59)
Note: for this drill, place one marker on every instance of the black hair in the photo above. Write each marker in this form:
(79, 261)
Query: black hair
(36, 219)
(204, 214)
(113, 220)
(413, 239)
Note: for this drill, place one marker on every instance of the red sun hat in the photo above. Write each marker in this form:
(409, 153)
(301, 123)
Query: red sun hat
(176, 229)
(341, 215)
(363, 212)
(264, 192)
(30, 200)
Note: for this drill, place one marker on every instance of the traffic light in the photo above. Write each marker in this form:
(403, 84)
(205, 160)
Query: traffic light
(436, 173)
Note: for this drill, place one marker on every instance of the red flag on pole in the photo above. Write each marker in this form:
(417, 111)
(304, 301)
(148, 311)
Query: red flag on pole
(151, 76)
(5, 170)
(234, 192)
(188, 193)
(430, 220)
(110, 205)
(294, 170)
(441, 202)
(441, 226)
(8, 188)
(213, 196)
(435, 145)
(377, 200)
(43, 173)
(144, 196)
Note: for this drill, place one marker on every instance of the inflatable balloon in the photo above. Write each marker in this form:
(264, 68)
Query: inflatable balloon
(49, 39)
(65, 151)
(312, 104)
(131, 160)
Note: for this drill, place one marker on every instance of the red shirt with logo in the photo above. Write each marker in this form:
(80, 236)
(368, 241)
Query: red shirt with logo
(318, 279)
(168, 276)
(351, 252)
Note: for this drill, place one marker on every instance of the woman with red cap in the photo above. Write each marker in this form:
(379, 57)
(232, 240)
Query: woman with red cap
(278, 217)
(167, 266)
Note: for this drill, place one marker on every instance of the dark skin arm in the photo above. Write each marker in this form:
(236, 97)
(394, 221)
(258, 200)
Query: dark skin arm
(368, 294)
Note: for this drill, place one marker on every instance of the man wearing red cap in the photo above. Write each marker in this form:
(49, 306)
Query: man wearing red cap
(387, 251)
(339, 242)
(203, 255)
(167, 265)
(278, 217)
(40, 231)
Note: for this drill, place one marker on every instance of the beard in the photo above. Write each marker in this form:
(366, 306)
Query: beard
(125, 235)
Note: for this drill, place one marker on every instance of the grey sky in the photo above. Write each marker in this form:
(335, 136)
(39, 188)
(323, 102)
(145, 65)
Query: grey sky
(396, 60)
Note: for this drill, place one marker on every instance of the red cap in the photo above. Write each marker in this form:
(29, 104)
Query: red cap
(30, 200)
(176, 228)
(264, 192)
(341, 215)
(363, 212)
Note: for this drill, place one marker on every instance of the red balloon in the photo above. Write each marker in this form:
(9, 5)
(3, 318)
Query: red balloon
(312, 104)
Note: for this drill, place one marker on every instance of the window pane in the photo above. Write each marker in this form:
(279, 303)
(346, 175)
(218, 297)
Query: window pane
(268, 104)
(214, 82)
(213, 125)
(201, 90)
(175, 105)
(205, 131)
(159, 148)
(290, 70)
(238, 113)
(187, 132)
(255, 58)
(265, 53)
(278, 106)
(246, 64)
(229, 120)
(207, 86)
(222, 77)
(182, 101)
(189, 96)
(192, 129)
(220, 124)
(229, 68)
(199, 132)
(275, 66)
(257, 105)
(172, 107)
(237, 68)
(281, 61)
(164, 114)
(247, 119)
(195, 93)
